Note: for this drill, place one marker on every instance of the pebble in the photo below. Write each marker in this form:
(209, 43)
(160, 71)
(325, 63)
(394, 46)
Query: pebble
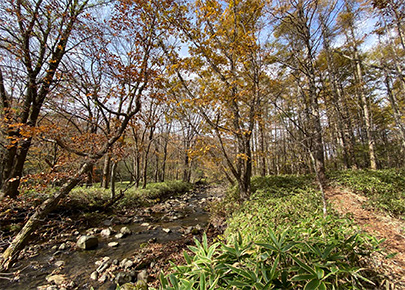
(102, 279)
(106, 232)
(87, 242)
(122, 264)
(57, 279)
(59, 263)
(103, 265)
(119, 236)
(167, 230)
(113, 244)
(128, 264)
(125, 231)
(94, 276)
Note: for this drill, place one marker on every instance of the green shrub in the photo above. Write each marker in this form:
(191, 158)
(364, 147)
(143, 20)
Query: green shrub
(281, 263)
(279, 239)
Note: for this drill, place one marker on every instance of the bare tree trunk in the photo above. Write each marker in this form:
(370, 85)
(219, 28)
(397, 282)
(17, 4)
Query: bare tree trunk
(157, 169)
(366, 111)
(113, 177)
(105, 181)
(394, 105)
(89, 181)
(263, 150)
(321, 184)
(163, 173)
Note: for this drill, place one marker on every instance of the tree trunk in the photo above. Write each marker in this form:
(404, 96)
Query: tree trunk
(364, 101)
(263, 150)
(105, 181)
(15, 160)
(163, 173)
(113, 177)
(366, 111)
(89, 181)
(394, 104)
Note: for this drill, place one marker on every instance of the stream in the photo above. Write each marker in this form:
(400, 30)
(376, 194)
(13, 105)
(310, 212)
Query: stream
(64, 266)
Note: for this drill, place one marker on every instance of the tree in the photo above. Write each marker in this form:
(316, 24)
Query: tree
(347, 23)
(300, 32)
(225, 56)
(35, 37)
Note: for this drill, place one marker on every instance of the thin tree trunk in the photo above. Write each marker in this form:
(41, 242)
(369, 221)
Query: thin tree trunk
(394, 104)
(363, 98)
(113, 177)
(163, 173)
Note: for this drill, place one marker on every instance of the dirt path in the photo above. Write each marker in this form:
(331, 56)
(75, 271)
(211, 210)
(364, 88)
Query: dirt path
(381, 226)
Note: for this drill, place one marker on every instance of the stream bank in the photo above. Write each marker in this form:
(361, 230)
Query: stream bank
(153, 235)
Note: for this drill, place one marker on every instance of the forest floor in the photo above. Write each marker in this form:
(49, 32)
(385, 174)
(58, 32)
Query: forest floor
(391, 260)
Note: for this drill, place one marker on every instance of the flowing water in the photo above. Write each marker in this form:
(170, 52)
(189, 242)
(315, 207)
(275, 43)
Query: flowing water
(176, 214)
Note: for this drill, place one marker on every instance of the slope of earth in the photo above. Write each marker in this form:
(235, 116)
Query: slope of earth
(379, 224)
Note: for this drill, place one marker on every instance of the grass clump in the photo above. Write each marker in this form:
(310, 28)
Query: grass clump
(279, 239)
(385, 189)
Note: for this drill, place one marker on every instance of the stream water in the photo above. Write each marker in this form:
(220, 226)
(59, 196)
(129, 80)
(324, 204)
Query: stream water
(161, 223)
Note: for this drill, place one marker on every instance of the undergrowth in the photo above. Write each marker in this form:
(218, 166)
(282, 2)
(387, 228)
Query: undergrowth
(279, 239)
(385, 189)
(96, 196)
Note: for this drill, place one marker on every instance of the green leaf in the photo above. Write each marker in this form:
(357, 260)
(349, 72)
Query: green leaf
(319, 273)
(240, 284)
(187, 258)
(273, 270)
(186, 284)
(268, 246)
(195, 250)
(174, 281)
(205, 242)
(304, 266)
(163, 281)
(202, 281)
(274, 239)
(241, 272)
(214, 284)
(322, 286)
(287, 247)
(327, 251)
(211, 250)
(312, 285)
